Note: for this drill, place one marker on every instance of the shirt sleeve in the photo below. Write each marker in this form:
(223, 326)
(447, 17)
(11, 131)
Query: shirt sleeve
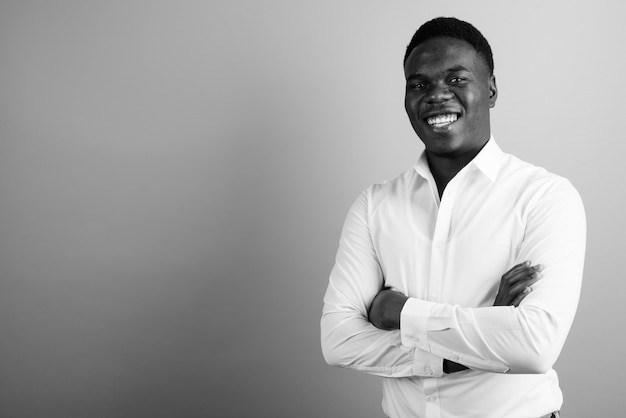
(348, 338)
(523, 339)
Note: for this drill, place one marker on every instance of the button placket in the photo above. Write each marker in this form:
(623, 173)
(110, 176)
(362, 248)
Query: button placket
(438, 249)
(431, 393)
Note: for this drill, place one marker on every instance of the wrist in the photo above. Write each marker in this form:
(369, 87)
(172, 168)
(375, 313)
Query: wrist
(451, 367)
(399, 302)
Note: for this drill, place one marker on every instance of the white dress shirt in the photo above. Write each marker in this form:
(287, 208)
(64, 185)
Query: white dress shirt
(448, 256)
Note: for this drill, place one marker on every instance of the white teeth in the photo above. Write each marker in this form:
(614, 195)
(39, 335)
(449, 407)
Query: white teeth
(442, 120)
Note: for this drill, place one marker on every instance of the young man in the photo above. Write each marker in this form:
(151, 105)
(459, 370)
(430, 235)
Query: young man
(417, 293)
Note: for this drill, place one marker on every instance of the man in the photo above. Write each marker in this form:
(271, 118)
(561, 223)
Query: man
(417, 293)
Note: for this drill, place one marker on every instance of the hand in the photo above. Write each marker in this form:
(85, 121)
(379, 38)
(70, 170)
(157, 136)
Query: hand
(515, 284)
(385, 310)
(514, 287)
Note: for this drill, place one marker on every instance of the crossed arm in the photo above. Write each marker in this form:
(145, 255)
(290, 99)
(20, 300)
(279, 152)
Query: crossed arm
(515, 285)
(521, 333)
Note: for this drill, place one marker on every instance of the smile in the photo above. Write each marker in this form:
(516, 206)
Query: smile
(440, 121)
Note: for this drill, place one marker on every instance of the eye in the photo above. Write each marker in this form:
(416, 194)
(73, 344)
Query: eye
(418, 85)
(456, 80)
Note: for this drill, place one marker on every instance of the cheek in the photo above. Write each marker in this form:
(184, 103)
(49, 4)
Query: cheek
(411, 106)
(477, 103)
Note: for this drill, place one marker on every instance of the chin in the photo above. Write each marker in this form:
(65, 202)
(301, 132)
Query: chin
(442, 145)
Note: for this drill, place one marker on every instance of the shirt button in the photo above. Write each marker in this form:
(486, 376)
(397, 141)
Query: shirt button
(455, 357)
(431, 399)
(429, 371)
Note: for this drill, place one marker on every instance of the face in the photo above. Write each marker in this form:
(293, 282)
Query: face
(449, 92)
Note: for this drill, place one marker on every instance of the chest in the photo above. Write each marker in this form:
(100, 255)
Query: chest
(454, 251)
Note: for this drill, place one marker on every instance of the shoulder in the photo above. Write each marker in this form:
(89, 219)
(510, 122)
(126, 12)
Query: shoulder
(383, 194)
(389, 190)
(530, 176)
(535, 186)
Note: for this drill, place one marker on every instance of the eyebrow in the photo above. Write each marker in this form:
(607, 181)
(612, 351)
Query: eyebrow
(454, 69)
(457, 68)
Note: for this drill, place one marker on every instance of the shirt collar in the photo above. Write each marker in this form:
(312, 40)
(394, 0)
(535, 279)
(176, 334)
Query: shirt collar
(488, 161)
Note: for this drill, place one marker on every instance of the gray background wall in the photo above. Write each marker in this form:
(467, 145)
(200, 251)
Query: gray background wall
(174, 177)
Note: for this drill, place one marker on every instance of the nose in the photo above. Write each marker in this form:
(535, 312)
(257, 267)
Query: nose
(438, 93)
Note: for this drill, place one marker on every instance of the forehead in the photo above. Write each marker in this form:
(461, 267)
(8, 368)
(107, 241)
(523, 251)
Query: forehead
(442, 53)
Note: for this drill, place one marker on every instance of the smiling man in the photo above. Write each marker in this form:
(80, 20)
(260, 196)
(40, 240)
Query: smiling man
(458, 280)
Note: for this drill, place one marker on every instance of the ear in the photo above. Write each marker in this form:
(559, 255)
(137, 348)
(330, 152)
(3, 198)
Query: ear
(493, 91)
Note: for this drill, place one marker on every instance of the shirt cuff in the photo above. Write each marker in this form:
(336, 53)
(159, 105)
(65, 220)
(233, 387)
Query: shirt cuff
(426, 364)
(414, 323)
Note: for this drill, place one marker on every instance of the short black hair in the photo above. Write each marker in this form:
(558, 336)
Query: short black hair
(454, 28)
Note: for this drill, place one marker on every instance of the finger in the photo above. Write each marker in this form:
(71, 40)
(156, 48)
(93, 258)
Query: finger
(522, 271)
(527, 273)
(534, 278)
(515, 269)
(530, 279)
(520, 285)
(518, 299)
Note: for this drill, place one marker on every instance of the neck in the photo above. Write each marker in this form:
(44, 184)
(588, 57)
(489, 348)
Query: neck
(444, 167)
